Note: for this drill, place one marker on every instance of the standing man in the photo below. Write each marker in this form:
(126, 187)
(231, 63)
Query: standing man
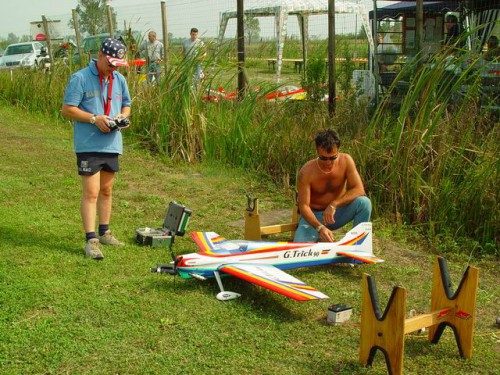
(152, 49)
(95, 95)
(193, 49)
(330, 192)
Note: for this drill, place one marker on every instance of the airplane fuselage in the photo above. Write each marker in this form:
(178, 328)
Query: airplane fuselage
(286, 256)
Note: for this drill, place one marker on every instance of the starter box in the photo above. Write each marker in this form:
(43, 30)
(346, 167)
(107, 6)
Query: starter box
(175, 223)
(338, 313)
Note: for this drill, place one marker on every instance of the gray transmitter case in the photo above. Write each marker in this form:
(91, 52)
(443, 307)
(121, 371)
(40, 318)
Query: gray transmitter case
(175, 223)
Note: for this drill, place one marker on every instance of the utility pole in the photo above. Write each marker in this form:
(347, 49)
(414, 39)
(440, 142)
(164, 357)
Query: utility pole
(331, 57)
(420, 24)
(241, 50)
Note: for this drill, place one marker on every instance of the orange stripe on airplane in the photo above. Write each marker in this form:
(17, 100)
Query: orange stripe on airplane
(354, 240)
(290, 292)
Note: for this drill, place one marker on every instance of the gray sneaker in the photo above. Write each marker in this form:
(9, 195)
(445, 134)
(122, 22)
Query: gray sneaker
(109, 239)
(93, 250)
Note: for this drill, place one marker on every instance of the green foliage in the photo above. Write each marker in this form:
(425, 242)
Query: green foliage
(93, 18)
(315, 77)
(442, 166)
(252, 28)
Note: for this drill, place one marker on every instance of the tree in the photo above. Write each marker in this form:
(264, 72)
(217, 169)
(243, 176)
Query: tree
(251, 27)
(93, 17)
(12, 38)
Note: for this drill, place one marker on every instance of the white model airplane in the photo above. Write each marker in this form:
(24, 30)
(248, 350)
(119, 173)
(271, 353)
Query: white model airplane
(262, 262)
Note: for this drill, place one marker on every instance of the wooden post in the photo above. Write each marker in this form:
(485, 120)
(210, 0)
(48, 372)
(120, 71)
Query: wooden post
(47, 38)
(165, 35)
(110, 19)
(386, 331)
(77, 36)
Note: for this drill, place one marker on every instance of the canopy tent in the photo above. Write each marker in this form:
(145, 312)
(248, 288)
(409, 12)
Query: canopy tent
(474, 5)
(481, 15)
(280, 10)
(402, 7)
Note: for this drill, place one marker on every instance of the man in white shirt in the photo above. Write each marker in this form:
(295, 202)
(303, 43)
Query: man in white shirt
(193, 48)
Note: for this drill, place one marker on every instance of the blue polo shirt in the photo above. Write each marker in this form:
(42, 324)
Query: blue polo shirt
(84, 91)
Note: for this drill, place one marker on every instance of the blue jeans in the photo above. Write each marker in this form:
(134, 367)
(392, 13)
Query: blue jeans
(358, 211)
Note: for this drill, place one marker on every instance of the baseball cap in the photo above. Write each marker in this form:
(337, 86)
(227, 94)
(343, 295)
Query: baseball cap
(114, 50)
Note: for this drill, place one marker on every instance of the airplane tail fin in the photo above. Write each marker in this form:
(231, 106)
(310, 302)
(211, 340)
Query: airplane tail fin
(206, 241)
(360, 235)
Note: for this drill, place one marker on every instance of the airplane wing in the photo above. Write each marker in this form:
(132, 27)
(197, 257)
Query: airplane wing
(273, 279)
(362, 256)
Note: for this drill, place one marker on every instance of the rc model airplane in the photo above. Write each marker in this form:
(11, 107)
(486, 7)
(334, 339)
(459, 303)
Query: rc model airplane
(262, 262)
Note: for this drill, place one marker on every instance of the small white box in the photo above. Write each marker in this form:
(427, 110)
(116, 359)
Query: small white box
(338, 313)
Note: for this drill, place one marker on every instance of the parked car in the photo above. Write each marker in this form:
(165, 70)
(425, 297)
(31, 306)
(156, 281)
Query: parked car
(23, 55)
(92, 44)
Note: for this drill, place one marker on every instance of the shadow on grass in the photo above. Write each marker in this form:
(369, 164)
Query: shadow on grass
(252, 297)
(23, 238)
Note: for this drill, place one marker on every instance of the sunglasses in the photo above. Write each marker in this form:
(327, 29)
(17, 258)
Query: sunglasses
(324, 158)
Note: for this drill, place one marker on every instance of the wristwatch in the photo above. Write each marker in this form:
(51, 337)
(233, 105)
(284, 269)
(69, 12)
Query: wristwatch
(319, 227)
(92, 120)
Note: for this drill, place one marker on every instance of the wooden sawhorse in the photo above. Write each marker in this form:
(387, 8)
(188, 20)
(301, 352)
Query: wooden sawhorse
(254, 231)
(386, 331)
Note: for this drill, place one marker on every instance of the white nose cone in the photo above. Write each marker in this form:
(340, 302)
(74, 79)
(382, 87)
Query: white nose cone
(226, 296)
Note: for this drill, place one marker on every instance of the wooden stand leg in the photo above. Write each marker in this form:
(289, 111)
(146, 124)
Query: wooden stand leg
(382, 331)
(253, 229)
(386, 331)
(252, 220)
(459, 309)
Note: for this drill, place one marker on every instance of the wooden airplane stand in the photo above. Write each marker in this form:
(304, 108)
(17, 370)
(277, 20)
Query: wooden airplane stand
(254, 231)
(386, 331)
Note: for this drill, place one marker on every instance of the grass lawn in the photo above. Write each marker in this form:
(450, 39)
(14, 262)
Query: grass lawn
(62, 313)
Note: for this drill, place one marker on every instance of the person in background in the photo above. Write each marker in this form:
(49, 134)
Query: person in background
(193, 48)
(95, 95)
(152, 50)
(330, 192)
(452, 29)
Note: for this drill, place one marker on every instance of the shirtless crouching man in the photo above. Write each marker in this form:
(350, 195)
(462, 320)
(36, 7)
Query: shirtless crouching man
(330, 192)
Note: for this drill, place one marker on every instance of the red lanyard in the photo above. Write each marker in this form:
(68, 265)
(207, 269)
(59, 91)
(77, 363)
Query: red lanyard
(107, 101)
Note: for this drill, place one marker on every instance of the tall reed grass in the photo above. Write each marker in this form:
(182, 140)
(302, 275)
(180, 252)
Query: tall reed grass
(433, 161)
(438, 160)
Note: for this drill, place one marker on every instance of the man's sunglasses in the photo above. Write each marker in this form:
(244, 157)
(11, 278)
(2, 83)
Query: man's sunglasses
(325, 158)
